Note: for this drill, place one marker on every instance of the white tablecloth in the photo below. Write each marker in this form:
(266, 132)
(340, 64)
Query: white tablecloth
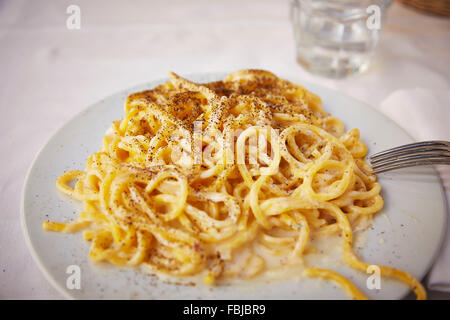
(50, 73)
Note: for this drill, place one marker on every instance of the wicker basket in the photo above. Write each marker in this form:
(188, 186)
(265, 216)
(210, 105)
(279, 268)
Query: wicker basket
(441, 7)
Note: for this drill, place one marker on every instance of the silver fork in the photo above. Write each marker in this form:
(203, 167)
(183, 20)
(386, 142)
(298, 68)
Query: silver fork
(411, 155)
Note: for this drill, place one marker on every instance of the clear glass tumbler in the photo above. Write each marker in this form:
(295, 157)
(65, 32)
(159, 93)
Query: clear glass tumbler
(337, 38)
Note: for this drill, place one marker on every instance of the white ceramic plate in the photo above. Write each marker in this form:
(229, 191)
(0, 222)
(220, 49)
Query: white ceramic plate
(411, 224)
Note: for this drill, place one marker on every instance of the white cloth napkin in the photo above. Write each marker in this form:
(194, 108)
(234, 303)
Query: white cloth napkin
(425, 114)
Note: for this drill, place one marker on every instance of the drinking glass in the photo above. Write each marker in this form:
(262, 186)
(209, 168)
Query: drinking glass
(337, 38)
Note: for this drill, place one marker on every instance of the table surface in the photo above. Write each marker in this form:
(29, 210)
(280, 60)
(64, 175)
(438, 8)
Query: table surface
(50, 73)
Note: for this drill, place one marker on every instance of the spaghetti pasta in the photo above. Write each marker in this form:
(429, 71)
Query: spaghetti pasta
(216, 178)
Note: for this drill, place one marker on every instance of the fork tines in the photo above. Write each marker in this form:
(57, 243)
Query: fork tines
(409, 155)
